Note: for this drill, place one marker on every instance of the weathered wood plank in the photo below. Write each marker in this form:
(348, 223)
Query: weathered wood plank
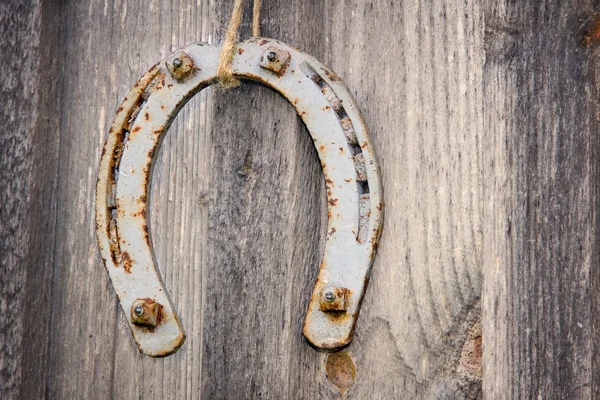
(43, 214)
(178, 217)
(18, 45)
(265, 234)
(417, 77)
(238, 207)
(540, 308)
(83, 309)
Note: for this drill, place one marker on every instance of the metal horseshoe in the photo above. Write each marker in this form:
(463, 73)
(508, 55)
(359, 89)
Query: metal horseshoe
(354, 192)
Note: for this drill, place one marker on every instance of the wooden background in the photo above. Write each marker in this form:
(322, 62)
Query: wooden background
(484, 118)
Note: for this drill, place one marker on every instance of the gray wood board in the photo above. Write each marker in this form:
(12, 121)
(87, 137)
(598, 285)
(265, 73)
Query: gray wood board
(239, 207)
(483, 117)
(541, 267)
(18, 46)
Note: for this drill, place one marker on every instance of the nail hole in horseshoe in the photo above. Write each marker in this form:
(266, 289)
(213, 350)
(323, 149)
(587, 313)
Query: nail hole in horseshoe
(352, 141)
(122, 137)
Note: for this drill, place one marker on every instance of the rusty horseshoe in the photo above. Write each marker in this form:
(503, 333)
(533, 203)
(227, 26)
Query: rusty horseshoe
(354, 191)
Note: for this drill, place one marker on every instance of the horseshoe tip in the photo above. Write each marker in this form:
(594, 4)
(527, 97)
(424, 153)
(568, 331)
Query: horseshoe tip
(166, 350)
(326, 345)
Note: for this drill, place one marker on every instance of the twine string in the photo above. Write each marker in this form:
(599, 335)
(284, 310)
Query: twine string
(224, 71)
(256, 18)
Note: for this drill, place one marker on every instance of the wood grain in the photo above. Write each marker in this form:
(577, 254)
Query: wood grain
(540, 312)
(44, 203)
(417, 78)
(18, 44)
(484, 121)
(239, 207)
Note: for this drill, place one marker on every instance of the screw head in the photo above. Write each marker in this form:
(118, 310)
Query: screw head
(272, 56)
(177, 63)
(329, 296)
(146, 312)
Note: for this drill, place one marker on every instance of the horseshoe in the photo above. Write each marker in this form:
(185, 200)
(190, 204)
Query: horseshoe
(354, 193)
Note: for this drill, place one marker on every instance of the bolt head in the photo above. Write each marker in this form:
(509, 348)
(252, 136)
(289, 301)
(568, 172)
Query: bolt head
(180, 65)
(275, 59)
(334, 299)
(271, 56)
(145, 312)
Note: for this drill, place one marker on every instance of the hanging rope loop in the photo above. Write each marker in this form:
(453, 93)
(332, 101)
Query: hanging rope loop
(224, 72)
(256, 18)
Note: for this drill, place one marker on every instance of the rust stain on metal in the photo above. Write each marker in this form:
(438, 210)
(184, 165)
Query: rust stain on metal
(146, 235)
(147, 313)
(334, 301)
(146, 175)
(314, 297)
(276, 60)
(331, 75)
(153, 85)
(339, 317)
(376, 235)
(340, 370)
(141, 213)
(181, 66)
(332, 202)
(126, 262)
(115, 251)
(120, 211)
(375, 242)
